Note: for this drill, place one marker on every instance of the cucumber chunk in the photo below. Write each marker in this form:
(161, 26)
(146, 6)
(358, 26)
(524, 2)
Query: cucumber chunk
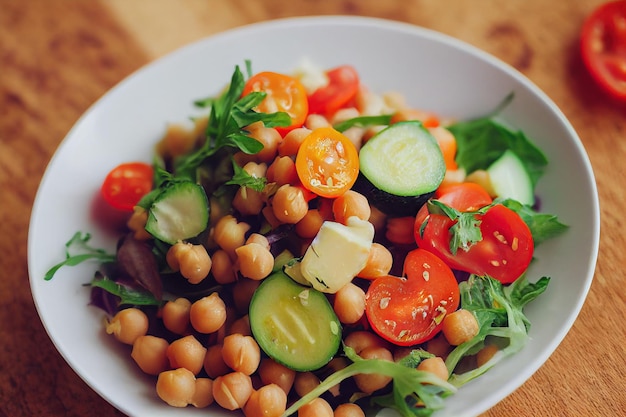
(294, 325)
(400, 168)
(509, 179)
(179, 212)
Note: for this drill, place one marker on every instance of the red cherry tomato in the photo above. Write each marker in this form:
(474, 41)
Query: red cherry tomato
(603, 47)
(343, 84)
(408, 311)
(124, 186)
(505, 250)
(327, 162)
(284, 94)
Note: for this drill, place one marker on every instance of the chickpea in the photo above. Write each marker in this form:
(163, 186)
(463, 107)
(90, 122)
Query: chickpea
(379, 262)
(408, 114)
(223, 269)
(175, 315)
(314, 121)
(351, 204)
(203, 394)
(435, 366)
(258, 239)
(356, 135)
(150, 354)
(268, 401)
(137, 223)
(176, 387)
(369, 383)
(127, 325)
(378, 220)
(214, 364)
(272, 372)
(310, 224)
(193, 261)
(459, 327)
(344, 114)
(186, 352)
(349, 410)
(305, 382)
(282, 171)
(268, 214)
(243, 291)
(232, 391)
(318, 407)
(400, 230)
(241, 353)
(255, 261)
(349, 303)
(485, 354)
(361, 339)
(292, 141)
(241, 326)
(208, 314)
(480, 177)
(229, 234)
(177, 141)
(289, 205)
(248, 201)
(439, 346)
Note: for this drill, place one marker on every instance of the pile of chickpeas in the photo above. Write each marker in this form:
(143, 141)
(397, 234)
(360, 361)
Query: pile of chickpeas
(214, 358)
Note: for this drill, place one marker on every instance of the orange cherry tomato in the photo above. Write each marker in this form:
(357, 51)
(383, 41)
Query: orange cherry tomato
(284, 94)
(327, 162)
(603, 47)
(124, 186)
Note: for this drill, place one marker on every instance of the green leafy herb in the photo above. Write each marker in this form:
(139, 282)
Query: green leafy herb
(482, 141)
(126, 294)
(242, 178)
(230, 114)
(77, 250)
(414, 393)
(466, 230)
(543, 226)
(363, 121)
(499, 312)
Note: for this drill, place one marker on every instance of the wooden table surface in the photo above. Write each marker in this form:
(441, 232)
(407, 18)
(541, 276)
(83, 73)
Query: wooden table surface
(58, 56)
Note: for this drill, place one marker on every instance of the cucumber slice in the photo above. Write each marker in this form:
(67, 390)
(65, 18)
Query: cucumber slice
(294, 325)
(179, 212)
(509, 179)
(400, 168)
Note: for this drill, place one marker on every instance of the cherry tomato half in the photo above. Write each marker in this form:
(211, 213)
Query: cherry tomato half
(327, 162)
(342, 87)
(505, 250)
(284, 94)
(408, 311)
(124, 186)
(603, 47)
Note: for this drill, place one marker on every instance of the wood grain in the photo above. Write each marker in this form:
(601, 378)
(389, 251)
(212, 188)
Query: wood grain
(58, 56)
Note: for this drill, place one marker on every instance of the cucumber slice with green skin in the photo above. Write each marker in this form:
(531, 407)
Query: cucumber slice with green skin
(179, 212)
(294, 325)
(400, 168)
(509, 179)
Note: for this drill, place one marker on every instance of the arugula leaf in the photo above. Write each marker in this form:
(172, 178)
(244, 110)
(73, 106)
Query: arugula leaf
(414, 393)
(499, 311)
(127, 295)
(482, 141)
(543, 226)
(77, 250)
(363, 121)
(242, 178)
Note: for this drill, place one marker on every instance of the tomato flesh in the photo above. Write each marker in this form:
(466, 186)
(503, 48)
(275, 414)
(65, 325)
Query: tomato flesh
(603, 47)
(342, 87)
(408, 311)
(126, 184)
(284, 94)
(504, 252)
(327, 162)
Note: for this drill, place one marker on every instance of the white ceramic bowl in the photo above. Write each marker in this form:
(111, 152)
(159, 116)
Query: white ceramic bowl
(433, 71)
